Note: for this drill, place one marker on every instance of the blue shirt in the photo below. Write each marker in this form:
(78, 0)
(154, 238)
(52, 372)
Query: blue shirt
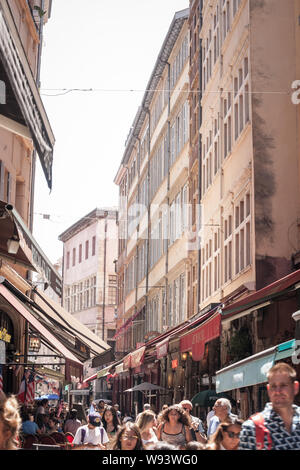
(281, 438)
(214, 423)
(29, 427)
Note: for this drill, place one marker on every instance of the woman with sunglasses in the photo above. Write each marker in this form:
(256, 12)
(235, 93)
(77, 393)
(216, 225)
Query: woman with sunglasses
(227, 435)
(128, 438)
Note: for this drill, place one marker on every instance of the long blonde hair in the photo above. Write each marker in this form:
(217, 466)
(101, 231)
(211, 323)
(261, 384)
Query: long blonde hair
(10, 417)
(145, 418)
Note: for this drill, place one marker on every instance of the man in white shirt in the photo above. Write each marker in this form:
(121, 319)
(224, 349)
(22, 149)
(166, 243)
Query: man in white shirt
(91, 435)
(222, 409)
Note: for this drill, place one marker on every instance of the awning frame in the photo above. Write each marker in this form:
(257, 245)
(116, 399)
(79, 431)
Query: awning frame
(271, 355)
(27, 95)
(24, 312)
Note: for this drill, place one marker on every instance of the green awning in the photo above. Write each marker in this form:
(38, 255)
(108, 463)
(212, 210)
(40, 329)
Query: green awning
(103, 372)
(252, 370)
(285, 350)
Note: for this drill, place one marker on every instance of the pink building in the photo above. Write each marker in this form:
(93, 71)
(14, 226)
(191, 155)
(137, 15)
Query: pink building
(89, 277)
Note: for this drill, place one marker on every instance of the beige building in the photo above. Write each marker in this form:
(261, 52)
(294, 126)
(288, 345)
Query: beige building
(89, 277)
(249, 186)
(153, 210)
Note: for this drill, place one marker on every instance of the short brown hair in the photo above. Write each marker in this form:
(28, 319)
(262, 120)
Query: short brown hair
(283, 367)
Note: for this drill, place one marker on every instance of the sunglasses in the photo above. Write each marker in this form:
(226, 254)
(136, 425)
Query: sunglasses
(128, 438)
(232, 434)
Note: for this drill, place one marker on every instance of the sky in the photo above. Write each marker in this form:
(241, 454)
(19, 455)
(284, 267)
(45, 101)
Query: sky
(110, 47)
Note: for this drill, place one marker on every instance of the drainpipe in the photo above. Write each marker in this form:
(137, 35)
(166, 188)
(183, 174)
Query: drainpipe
(168, 189)
(104, 274)
(148, 209)
(199, 156)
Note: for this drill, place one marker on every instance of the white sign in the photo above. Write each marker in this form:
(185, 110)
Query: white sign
(2, 352)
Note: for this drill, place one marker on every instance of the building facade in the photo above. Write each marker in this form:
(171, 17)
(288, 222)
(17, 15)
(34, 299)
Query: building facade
(233, 184)
(89, 277)
(153, 181)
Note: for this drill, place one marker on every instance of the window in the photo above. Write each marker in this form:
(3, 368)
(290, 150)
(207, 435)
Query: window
(130, 276)
(228, 249)
(67, 299)
(86, 294)
(93, 291)
(86, 249)
(80, 253)
(206, 269)
(141, 260)
(179, 216)
(241, 98)
(68, 260)
(79, 297)
(179, 61)
(74, 257)
(217, 255)
(242, 234)
(93, 245)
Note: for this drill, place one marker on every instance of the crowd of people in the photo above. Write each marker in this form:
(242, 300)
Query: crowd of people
(173, 428)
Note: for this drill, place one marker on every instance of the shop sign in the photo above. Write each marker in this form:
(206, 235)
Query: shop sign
(82, 348)
(174, 363)
(4, 336)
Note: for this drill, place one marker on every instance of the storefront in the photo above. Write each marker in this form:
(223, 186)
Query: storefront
(248, 377)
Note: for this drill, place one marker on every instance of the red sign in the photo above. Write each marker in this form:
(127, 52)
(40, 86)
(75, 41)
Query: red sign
(134, 359)
(162, 348)
(137, 357)
(195, 341)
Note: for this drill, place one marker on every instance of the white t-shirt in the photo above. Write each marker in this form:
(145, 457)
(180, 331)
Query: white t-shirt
(92, 436)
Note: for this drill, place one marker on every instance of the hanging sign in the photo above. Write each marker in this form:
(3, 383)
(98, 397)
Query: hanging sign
(4, 336)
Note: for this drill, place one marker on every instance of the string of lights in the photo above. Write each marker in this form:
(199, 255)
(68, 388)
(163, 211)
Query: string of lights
(65, 91)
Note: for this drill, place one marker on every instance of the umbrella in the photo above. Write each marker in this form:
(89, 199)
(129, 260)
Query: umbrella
(107, 402)
(51, 396)
(144, 387)
(208, 397)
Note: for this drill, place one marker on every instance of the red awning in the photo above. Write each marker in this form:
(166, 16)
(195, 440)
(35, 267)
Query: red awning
(195, 340)
(126, 325)
(86, 381)
(137, 357)
(18, 305)
(134, 359)
(92, 377)
(162, 348)
(263, 294)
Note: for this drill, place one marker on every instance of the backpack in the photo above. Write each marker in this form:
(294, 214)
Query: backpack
(261, 431)
(83, 433)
